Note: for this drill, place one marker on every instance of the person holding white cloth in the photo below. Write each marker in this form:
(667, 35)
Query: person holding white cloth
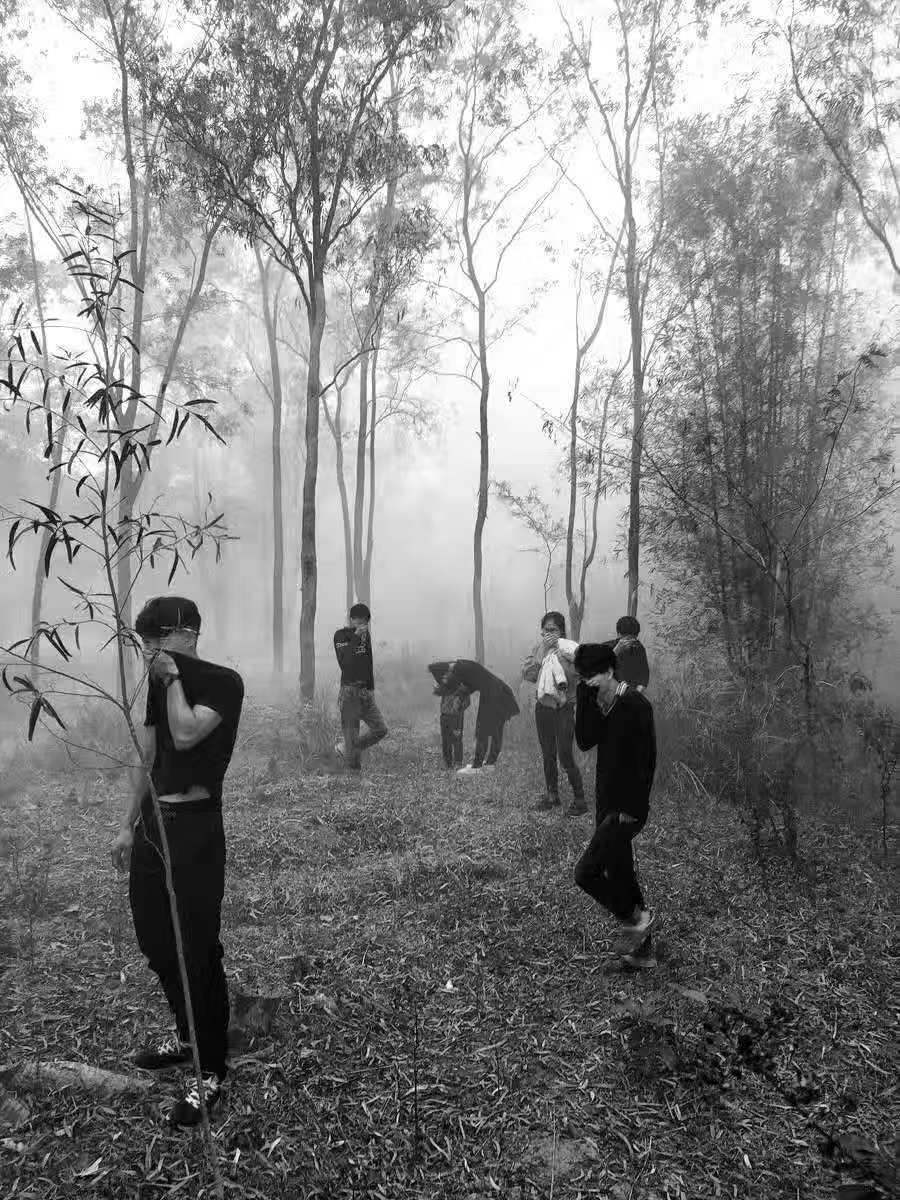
(549, 666)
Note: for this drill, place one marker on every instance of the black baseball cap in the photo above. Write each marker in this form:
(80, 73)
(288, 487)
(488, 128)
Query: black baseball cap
(164, 614)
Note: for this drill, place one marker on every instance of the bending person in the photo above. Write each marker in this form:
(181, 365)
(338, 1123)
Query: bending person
(496, 706)
(549, 666)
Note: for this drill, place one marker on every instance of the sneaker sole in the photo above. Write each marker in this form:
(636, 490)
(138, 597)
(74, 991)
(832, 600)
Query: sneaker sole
(167, 1066)
(631, 962)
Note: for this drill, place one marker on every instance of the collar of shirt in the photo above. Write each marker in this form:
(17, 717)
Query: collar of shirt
(606, 709)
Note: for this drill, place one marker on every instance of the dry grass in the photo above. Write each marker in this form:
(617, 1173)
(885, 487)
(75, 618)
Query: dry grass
(440, 1015)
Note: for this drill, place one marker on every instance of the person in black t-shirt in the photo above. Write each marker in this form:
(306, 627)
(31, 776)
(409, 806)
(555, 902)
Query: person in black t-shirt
(193, 710)
(356, 699)
(614, 717)
(631, 657)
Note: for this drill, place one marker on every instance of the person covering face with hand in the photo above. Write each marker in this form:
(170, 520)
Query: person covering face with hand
(193, 710)
(356, 699)
(549, 666)
(616, 720)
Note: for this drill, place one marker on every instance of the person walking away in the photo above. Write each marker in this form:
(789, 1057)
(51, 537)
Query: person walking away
(455, 699)
(549, 665)
(616, 720)
(496, 706)
(632, 666)
(356, 699)
(193, 710)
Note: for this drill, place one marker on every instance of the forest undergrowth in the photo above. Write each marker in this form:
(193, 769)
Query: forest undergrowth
(424, 1005)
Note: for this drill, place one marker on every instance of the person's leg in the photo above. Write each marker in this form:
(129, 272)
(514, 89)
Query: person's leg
(458, 728)
(496, 744)
(626, 898)
(152, 919)
(198, 870)
(591, 870)
(564, 720)
(447, 738)
(481, 748)
(371, 714)
(482, 738)
(350, 714)
(545, 722)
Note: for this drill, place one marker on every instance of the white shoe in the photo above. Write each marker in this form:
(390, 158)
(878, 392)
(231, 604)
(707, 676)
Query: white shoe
(469, 770)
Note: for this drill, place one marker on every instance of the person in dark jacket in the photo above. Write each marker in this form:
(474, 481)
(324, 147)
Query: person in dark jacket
(455, 699)
(356, 699)
(617, 720)
(496, 706)
(631, 657)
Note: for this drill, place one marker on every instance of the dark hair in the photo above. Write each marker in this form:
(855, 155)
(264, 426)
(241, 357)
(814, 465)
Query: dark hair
(594, 658)
(557, 618)
(164, 614)
(628, 627)
(361, 610)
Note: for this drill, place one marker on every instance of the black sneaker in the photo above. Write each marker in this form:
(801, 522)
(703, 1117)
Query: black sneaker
(576, 809)
(547, 804)
(170, 1053)
(186, 1111)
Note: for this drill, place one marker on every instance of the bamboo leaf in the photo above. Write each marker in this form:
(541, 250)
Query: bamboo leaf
(53, 713)
(12, 541)
(33, 716)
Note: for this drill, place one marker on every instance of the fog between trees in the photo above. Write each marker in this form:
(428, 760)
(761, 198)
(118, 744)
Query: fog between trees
(725, 236)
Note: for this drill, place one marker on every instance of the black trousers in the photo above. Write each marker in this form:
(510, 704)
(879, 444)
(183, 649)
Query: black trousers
(556, 734)
(197, 846)
(452, 738)
(488, 743)
(606, 869)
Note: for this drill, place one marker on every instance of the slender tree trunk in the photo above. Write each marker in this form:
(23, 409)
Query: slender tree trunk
(270, 320)
(483, 477)
(574, 614)
(336, 425)
(308, 560)
(138, 244)
(582, 348)
(359, 496)
(370, 525)
(635, 316)
(590, 551)
(37, 595)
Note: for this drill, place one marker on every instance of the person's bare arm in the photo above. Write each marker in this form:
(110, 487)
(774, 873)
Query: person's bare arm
(188, 726)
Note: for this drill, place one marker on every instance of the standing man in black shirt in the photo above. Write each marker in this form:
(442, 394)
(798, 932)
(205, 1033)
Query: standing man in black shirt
(617, 719)
(356, 699)
(193, 709)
